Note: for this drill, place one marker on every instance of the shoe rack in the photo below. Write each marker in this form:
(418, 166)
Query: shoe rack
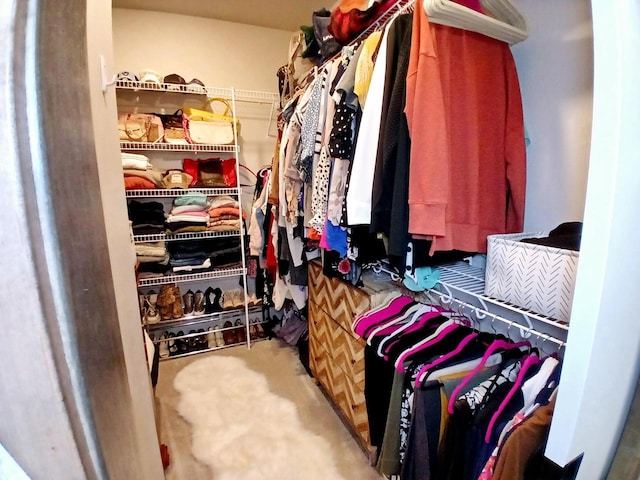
(187, 314)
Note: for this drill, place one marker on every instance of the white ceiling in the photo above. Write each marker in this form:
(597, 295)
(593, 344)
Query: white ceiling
(281, 14)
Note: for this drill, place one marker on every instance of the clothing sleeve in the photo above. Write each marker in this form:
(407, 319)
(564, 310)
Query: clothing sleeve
(425, 110)
(515, 151)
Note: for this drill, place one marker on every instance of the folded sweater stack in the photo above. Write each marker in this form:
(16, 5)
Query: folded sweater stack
(147, 218)
(189, 214)
(224, 214)
(139, 173)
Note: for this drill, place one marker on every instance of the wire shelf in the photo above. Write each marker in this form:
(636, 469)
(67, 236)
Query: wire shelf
(174, 147)
(174, 88)
(159, 192)
(256, 96)
(192, 320)
(163, 237)
(460, 277)
(192, 277)
(241, 95)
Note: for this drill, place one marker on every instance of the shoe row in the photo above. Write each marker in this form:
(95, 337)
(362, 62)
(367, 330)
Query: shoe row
(169, 304)
(172, 345)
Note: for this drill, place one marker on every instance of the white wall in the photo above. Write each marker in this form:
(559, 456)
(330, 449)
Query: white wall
(220, 54)
(602, 360)
(103, 108)
(555, 67)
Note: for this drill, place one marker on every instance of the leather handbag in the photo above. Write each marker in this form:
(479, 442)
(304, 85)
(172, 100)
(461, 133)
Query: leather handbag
(140, 127)
(173, 128)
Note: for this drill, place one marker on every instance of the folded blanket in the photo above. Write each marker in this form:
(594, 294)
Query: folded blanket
(151, 249)
(223, 201)
(215, 212)
(135, 161)
(191, 217)
(154, 175)
(188, 208)
(164, 260)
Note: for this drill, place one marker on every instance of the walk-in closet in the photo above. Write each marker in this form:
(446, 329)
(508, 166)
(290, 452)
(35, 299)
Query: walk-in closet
(303, 240)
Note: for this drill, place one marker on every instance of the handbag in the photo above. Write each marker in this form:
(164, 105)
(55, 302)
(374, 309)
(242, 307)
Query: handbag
(218, 172)
(209, 127)
(212, 172)
(173, 128)
(140, 127)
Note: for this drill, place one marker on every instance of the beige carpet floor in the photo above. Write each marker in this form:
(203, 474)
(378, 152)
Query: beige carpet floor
(287, 378)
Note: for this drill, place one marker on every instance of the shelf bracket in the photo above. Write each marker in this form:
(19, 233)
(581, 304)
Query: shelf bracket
(106, 79)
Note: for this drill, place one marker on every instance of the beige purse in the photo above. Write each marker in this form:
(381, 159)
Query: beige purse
(140, 127)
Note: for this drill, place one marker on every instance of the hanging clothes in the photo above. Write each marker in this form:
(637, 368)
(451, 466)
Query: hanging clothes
(363, 165)
(468, 160)
(391, 176)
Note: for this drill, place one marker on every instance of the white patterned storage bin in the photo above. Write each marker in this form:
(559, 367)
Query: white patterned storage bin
(536, 277)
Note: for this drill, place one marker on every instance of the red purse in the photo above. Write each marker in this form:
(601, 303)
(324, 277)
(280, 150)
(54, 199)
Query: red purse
(211, 172)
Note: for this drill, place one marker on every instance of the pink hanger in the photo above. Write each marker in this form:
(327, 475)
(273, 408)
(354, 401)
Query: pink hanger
(423, 371)
(495, 345)
(396, 320)
(529, 362)
(421, 323)
(378, 315)
(418, 317)
(442, 331)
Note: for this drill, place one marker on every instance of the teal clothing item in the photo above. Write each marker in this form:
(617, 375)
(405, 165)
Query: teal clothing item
(194, 198)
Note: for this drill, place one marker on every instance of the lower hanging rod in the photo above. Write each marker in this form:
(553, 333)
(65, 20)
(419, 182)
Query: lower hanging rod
(480, 314)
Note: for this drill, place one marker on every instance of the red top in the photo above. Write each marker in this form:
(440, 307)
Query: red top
(468, 160)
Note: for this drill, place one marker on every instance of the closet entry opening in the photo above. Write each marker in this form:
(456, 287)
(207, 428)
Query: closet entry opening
(264, 237)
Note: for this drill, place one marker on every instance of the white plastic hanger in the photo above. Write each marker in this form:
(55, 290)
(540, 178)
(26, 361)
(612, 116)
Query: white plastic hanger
(394, 320)
(503, 22)
(416, 316)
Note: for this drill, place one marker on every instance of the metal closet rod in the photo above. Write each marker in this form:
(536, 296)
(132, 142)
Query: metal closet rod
(445, 299)
(481, 313)
(398, 8)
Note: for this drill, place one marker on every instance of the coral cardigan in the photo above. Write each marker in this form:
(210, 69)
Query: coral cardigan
(468, 160)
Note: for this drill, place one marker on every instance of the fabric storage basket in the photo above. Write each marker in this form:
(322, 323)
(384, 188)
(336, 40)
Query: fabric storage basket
(536, 277)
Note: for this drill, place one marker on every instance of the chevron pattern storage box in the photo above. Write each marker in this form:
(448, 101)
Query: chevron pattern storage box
(536, 277)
